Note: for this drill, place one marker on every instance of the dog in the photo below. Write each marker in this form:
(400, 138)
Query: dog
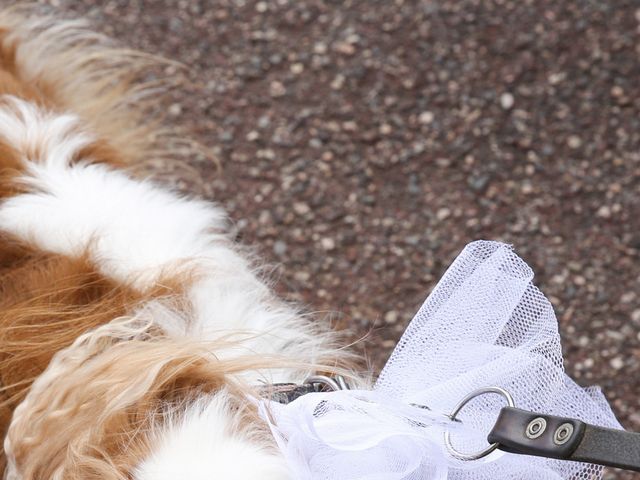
(135, 336)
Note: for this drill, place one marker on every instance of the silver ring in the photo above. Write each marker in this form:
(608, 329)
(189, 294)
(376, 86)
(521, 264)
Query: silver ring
(447, 436)
(342, 383)
(323, 380)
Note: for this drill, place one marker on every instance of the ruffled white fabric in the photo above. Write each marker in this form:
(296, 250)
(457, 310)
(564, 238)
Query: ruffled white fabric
(485, 324)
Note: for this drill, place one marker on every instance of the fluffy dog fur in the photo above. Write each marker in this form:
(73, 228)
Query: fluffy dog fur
(132, 331)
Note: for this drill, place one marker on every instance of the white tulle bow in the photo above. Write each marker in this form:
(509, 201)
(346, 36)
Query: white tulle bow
(484, 324)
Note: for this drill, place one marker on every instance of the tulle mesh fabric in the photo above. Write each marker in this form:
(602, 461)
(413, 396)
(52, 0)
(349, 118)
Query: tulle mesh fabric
(485, 324)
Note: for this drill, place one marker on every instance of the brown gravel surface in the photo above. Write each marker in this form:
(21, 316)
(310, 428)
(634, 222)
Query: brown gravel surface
(364, 143)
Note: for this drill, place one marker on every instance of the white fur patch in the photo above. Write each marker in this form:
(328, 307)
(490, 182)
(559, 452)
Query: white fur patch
(206, 444)
(39, 136)
(132, 228)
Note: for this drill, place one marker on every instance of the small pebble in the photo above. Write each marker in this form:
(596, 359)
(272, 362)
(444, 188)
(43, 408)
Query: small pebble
(301, 208)
(604, 212)
(279, 248)
(426, 118)
(277, 89)
(506, 101)
(175, 109)
(574, 142)
(443, 213)
(297, 68)
(617, 363)
(385, 129)
(391, 317)
(328, 243)
(344, 48)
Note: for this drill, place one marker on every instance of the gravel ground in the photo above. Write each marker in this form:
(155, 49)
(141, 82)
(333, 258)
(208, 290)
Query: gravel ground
(364, 143)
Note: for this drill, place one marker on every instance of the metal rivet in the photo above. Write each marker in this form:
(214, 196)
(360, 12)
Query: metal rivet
(536, 427)
(563, 434)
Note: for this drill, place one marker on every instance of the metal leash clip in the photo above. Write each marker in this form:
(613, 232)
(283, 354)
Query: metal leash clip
(288, 392)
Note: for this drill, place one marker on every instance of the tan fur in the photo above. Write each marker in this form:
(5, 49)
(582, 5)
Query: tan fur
(120, 383)
(10, 168)
(46, 302)
(95, 411)
(77, 70)
(11, 82)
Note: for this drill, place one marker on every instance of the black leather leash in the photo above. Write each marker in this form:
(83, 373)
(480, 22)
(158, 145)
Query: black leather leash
(529, 433)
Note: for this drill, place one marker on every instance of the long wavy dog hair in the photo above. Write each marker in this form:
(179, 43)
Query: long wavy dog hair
(132, 331)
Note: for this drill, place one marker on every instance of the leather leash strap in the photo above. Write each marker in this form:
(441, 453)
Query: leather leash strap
(529, 433)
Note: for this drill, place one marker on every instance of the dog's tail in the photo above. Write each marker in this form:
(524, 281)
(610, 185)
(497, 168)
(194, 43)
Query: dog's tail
(65, 66)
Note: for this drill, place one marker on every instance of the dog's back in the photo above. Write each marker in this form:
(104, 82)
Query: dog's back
(142, 325)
